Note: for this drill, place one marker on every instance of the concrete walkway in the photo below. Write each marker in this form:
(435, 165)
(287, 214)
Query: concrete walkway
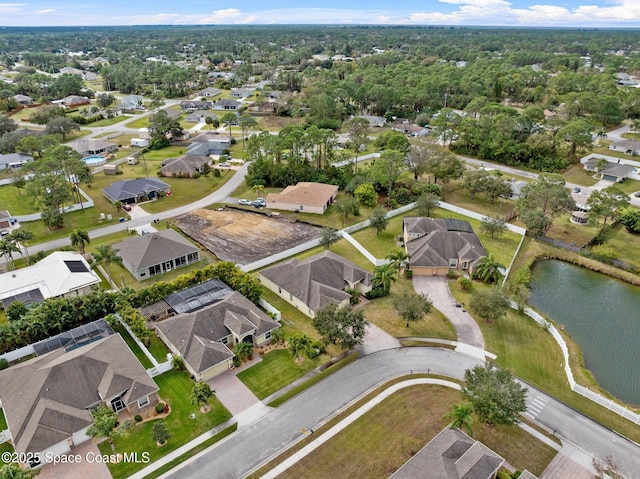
(376, 340)
(437, 288)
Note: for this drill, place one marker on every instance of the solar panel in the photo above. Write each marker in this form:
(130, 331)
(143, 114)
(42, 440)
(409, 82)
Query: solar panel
(457, 225)
(199, 296)
(76, 266)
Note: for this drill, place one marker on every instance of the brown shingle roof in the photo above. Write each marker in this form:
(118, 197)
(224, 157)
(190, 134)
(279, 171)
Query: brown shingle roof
(318, 280)
(46, 399)
(305, 193)
(451, 455)
(197, 335)
(438, 243)
(151, 249)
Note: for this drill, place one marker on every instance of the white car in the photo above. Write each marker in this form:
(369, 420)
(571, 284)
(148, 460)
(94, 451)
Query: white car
(224, 164)
(245, 202)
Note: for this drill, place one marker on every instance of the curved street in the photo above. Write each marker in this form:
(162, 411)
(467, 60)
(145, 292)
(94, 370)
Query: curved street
(247, 449)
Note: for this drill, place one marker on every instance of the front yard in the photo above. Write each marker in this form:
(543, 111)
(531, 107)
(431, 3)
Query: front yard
(175, 388)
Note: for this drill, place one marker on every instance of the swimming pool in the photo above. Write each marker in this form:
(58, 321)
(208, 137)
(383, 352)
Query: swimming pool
(95, 160)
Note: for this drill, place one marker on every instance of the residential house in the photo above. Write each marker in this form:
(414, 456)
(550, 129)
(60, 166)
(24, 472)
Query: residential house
(173, 114)
(71, 71)
(208, 143)
(93, 146)
(374, 121)
(156, 253)
(227, 105)
(410, 129)
(131, 102)
(307, 197)
(314, 282)
(608, 170)
(629, 147)
(194, 105)
(72, 101)
(61, 274)
(5, 220)
(438, 245)
(451, 455)
(23, 99)
(240, 93)
(134, 191)
(184, 166)
(14, 160)
(48, 400)
(274, 95)
(204, 337)
(516, 188)
(200, 116)
(209, 92)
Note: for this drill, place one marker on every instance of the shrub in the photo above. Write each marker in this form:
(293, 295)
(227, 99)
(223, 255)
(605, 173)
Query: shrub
(137, 418)
(160, 407)
(177, 362)
(4, 364)
(452, 274)
(236, 362)
(377, 292)
(465, 283)
(408, 273)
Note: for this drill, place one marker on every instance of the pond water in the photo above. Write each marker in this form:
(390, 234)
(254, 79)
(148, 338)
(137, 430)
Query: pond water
(601, 314)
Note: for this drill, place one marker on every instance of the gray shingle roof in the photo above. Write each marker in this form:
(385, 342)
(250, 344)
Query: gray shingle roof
(440, 241)
(318, 280)
(197, 335)
(128, 189)
(451, 455)
(151, 249)
(184, 164)
(46, 399)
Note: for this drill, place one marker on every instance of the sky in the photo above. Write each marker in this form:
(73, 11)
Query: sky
(536, 13)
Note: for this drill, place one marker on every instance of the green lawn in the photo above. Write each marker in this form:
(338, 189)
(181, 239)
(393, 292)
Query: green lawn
(175, 388)
(566, 231)
(577, 174)
(629, 186)
(3, 420)
(398, 427)
(454, 193)
(626, 244)
(5, 447)
(139, 123)
(108, 121)
(18, 203)
(276, 370)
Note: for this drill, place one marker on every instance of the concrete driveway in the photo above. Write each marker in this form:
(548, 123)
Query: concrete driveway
(437, 288)
(86, 468)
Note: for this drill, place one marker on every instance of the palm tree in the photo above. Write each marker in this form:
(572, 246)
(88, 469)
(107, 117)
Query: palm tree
(200, 394)
(8, 246)
(258, 189)
(22, 236)
(461, 417)
(104, 425)
(107, 255)
(488, 270)
(297, 344)
(399, 257)
(383, 276)
(79, 239)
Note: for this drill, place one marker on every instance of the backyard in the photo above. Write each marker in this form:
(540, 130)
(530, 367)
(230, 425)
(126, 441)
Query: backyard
(175, 388)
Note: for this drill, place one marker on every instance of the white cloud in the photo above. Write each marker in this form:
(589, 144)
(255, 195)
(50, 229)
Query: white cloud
(11, 7)
(46, 11)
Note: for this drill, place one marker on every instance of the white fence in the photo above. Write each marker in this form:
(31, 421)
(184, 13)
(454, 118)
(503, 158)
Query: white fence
(138, 342)
(372, 259)
(160, 368)
(19, 353)
(5, 436)
(280, 256)
(478, 216)
(583, 391)
(272, 309)
(67, 209)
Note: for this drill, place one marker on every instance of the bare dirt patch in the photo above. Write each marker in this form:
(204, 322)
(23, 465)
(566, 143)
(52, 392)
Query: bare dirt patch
(242, 236)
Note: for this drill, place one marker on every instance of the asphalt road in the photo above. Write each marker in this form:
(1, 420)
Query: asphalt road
(247, 449)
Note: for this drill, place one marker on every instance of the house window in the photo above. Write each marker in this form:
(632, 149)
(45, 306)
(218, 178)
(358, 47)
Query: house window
(192, 257)
(464, 265)
(301, 208)
(155, 270)
(267, 335)
(142, 402)
(453, 263)
(224, 340)
(181, 261)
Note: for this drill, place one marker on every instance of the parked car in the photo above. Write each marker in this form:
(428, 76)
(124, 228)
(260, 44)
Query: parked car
(637, 194)
(245, 202)
(577, 190)
(225, 164)
(126, 207)
(260, 203)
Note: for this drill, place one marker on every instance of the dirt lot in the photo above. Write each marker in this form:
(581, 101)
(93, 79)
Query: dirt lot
(243, 236)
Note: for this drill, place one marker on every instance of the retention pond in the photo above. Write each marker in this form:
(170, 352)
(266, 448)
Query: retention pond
(602, 314)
